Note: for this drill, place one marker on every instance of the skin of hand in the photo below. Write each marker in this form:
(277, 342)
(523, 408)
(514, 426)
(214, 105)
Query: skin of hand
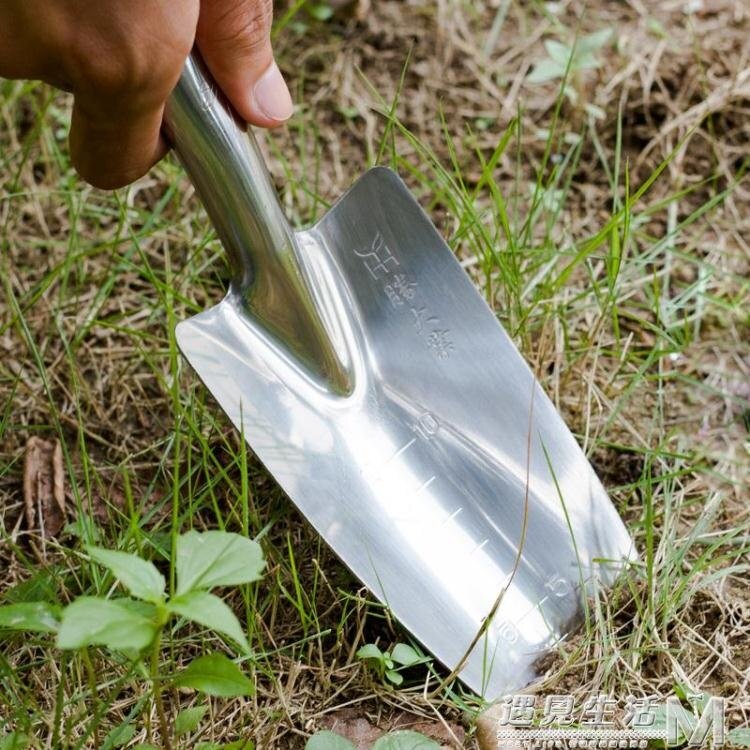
(122, 58)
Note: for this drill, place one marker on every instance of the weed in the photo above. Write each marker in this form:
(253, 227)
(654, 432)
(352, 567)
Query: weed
(134, 626)
(390, 664)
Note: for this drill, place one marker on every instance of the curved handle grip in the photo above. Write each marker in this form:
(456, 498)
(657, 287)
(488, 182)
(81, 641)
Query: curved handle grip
(224, 163)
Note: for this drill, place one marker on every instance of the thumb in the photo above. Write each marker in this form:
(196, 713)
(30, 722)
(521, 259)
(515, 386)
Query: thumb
(234, 37)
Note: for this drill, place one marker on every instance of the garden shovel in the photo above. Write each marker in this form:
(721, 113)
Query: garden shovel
(374, 383)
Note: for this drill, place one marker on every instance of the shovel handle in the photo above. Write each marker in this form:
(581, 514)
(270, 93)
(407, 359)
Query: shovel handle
(222, 159)
(225, 165)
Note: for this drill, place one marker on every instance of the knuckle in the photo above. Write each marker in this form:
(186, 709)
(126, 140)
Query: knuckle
(141, 66)
(243, 27)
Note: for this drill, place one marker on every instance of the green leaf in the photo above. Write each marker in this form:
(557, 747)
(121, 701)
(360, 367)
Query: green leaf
(14, 741)
(83, 527)
(215, 674)
(583, 56)
(681, 690)
(558, 52)
(118, 737)
(188, 719)
(216, 558)
(138, 607)
(328, 741)
(394, 677)
(593, 42)
(739, 736)
(40, 587)
(405, 655)
(370, 651)
(405, 741)
(207, 609)
(89, 621)
(38, 617)
(140, 577)
(586, 61)
(320, 11)
(239, 745)
(546, 70)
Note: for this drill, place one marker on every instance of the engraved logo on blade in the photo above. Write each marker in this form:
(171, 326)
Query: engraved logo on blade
(378, 259)
(403, 293)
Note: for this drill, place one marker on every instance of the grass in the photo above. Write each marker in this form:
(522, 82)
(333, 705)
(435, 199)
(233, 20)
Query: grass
(624, 282)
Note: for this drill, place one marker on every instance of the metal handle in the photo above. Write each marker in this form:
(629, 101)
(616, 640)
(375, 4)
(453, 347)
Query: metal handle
(224, 163)
(222, 158)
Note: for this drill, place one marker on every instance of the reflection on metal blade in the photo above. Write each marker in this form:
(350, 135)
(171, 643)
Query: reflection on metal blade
(432, 454)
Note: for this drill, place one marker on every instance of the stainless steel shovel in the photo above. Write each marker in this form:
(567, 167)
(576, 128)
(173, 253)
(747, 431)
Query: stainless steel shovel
(375, 384)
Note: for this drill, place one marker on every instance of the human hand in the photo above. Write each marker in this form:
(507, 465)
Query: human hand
(122, 58)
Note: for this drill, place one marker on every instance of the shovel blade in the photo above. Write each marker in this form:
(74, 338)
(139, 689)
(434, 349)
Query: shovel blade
(444, 477)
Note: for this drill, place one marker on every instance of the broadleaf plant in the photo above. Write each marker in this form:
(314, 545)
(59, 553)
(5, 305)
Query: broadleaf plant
(134, 625)
(139, 576)
(566, 61)
(188, 720)
(216, 558)
(326, 740)
(211, 612)
(38, 617)
(215, 674)
(401, 740)
(91, 621)
(740, 736)
(389, 664)
(405, 740)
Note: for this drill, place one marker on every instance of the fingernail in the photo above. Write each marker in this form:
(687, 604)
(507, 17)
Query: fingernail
(272, 96)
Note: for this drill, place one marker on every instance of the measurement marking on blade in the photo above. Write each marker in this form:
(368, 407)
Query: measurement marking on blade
(452, 515)
(425, 485)
(427, 425)
(374, 474)
(508, 632)
(535, 609)
(398, 453)
(537, 606)
(558, 585)
(478, 547)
